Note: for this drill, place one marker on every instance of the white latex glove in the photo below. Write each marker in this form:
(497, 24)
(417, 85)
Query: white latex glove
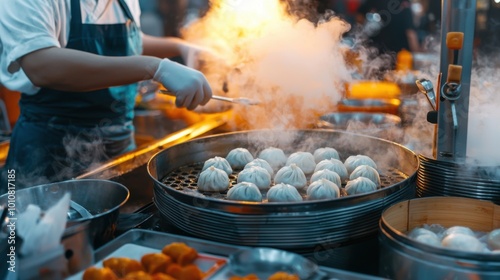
(190, 86)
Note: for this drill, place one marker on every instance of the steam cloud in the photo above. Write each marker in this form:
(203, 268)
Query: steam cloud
(295, 67)
(483, 132)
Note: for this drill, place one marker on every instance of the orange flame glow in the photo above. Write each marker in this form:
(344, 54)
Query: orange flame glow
(295, 67)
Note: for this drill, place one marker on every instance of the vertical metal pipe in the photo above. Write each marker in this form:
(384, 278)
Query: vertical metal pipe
(457, 16)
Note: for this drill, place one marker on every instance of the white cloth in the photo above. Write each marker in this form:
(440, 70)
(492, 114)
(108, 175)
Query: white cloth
(30, 25)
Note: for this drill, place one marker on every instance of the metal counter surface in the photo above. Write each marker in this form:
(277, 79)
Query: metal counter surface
(157, 240)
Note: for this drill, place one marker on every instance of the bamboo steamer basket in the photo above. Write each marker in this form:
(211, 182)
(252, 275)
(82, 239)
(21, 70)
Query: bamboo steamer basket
(403, 258)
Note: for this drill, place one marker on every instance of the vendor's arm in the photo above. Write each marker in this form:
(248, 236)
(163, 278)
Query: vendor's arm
(73, 70)
(192, 54)
(162, 46)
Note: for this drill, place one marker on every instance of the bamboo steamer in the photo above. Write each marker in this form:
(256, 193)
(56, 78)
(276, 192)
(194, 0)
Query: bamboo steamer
(403, 258)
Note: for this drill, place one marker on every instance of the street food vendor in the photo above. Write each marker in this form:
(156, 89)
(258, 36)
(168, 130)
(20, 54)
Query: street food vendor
(76, 63)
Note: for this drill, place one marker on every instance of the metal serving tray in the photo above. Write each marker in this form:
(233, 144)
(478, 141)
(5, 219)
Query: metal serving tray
(144, 241)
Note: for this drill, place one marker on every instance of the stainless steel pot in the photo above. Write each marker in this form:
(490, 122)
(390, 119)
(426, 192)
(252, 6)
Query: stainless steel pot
(101, 198)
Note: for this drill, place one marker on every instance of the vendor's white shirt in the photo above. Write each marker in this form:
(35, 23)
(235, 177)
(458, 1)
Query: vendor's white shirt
(30, 25)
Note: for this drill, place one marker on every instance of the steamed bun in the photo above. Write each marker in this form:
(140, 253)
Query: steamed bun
(303, 160)
(458, 229)
(367, 172)
(425, 236)
(322, 189)
(354, 161)
(283, 193)
(274, 156)
(257, 175)
(261, 163)
(218, 162)
(213, 180)
(462, 242)
(291, 175)
(325, 153)
(327, 174)
(245, 191)
(360, 185)
(238, 157)
(334, 165)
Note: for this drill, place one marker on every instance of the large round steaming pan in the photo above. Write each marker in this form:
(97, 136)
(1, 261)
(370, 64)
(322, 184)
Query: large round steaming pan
(282, 237)
(102, 198)
(388, 156)
(469, 172)
(439, 178)
(404, 258)
(465, 189)
(458, 175)
(193, 216)
(459, 184)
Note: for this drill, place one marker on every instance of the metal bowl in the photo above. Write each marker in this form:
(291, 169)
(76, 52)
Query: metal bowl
(102, 198)
(263, 262)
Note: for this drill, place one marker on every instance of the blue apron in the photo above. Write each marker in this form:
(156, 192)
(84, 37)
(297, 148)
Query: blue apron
(60, 134)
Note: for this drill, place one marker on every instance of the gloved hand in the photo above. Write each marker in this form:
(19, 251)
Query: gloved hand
(190, 86)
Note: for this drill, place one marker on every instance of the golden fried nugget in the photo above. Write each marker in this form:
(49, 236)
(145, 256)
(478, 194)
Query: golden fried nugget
(280, 275)
(155, 262)
(94, 273)
(188, 272)
(137, 275)
(191, 272)
(162, 276)
(180, 253)
(122, 266)
(174, 270)
(247, 277)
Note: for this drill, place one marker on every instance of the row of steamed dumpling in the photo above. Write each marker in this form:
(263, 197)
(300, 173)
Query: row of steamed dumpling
(328, 173)
(457, 238)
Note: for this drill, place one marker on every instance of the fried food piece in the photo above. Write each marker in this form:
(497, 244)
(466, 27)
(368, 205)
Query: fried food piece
(137, 275)
(280, 275)
(247, 277)
(174, 270)
(180, 253)
(191, 272)
(188, 272)
(122, 266)
(94, 273)
(155, 262)
(162, 276)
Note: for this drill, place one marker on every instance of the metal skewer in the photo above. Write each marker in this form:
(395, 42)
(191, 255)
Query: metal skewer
(237, 100)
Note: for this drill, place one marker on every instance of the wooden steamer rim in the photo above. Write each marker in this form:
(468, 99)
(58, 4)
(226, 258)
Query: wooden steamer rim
(479, 215)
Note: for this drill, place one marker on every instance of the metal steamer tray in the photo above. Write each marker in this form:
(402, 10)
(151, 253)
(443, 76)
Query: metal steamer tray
(281, 225)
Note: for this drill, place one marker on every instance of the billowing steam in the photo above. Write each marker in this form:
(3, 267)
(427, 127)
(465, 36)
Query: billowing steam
(295, 67)
(483, 132)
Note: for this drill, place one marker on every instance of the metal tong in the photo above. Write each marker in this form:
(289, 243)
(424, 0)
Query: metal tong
(237, 100)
